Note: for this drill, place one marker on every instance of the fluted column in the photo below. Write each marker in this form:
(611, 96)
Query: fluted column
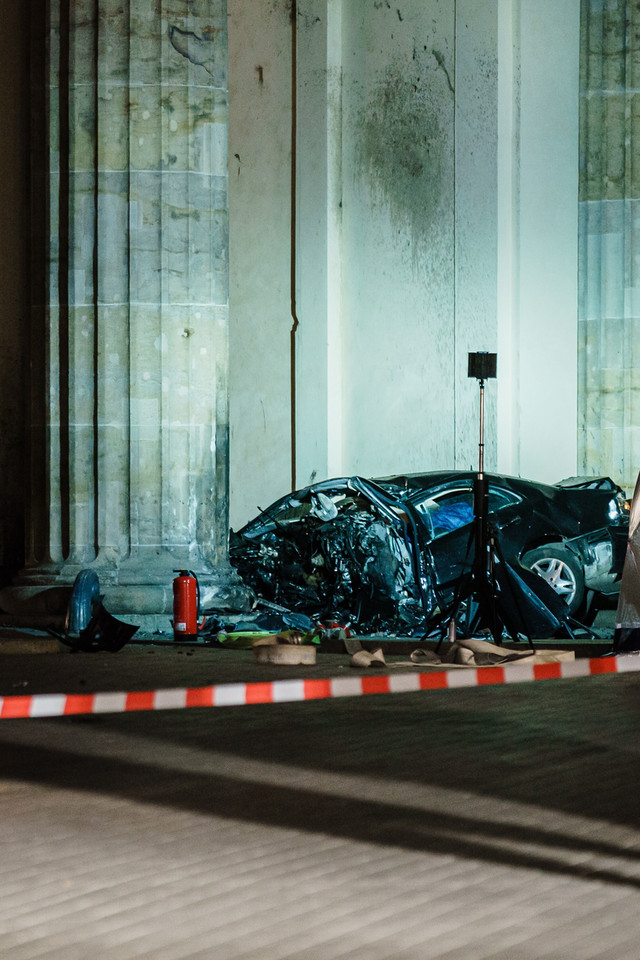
(609, 271)
(130, 450)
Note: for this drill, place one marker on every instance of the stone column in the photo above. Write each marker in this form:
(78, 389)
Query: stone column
(609, 267)
(130, 447)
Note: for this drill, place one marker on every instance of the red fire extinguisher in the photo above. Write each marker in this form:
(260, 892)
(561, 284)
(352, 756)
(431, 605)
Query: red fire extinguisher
(186, 606)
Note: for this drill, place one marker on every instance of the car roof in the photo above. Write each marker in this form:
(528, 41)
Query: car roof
(415, 482)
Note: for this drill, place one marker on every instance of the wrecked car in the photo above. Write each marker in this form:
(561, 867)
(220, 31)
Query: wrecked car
(388, 555)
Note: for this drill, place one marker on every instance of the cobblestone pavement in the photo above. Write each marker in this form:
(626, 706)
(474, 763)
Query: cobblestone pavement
(498, 822)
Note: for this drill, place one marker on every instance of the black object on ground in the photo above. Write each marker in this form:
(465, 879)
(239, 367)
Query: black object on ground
(89, 627)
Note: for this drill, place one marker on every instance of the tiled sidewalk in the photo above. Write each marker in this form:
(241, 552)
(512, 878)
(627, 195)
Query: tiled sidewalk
(500, 823)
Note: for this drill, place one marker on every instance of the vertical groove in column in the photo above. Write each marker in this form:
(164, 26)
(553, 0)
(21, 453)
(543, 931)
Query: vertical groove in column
(583, 247)
(591, 256)
(598, 133)
(147, 345)
(58, 367)
(220, 477)
(627, 321)
(175, 212)
(166, 96)
(126, 532)
(96, 281)
(112, 277)
(133, 215)
(45, 188)
(82, 295)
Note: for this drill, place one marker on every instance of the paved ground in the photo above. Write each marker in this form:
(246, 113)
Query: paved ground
(498, 822)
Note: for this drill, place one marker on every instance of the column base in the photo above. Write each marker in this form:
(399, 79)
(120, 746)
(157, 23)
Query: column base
(139, 591)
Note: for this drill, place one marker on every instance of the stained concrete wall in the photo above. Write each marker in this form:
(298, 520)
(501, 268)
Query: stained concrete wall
(432, 211)
(419, 222)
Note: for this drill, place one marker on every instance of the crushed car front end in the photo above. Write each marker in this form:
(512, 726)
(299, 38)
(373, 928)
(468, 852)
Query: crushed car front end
(340, 549)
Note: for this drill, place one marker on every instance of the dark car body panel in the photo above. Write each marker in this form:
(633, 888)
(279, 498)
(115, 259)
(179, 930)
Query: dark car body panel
(574, 512)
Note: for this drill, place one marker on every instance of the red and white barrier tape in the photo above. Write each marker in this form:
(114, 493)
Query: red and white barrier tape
(283, 691)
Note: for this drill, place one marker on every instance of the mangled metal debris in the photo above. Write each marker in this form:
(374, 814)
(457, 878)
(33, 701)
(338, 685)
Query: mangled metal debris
(340, 553)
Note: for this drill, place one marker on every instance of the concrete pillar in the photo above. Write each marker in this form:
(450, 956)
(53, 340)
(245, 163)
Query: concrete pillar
(537, 231)
(130, 450)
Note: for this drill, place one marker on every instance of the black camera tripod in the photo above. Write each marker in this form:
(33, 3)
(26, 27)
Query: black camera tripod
(478, 591)
(493, 597)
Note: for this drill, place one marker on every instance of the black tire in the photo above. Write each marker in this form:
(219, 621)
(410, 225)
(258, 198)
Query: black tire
(562, 571)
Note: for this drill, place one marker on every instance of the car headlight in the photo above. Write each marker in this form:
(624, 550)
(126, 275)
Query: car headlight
(619, 508)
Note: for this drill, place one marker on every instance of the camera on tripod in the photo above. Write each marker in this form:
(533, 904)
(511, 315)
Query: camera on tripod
(483, 365)
(496, 595)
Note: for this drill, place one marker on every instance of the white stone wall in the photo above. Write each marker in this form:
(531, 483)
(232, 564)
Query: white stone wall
(538, 237)
(432, 212)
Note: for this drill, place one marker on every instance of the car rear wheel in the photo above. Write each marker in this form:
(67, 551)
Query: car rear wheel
(562, 571)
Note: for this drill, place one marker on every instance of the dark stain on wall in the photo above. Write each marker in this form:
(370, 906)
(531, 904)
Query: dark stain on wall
(283, 6)
(403, 143)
